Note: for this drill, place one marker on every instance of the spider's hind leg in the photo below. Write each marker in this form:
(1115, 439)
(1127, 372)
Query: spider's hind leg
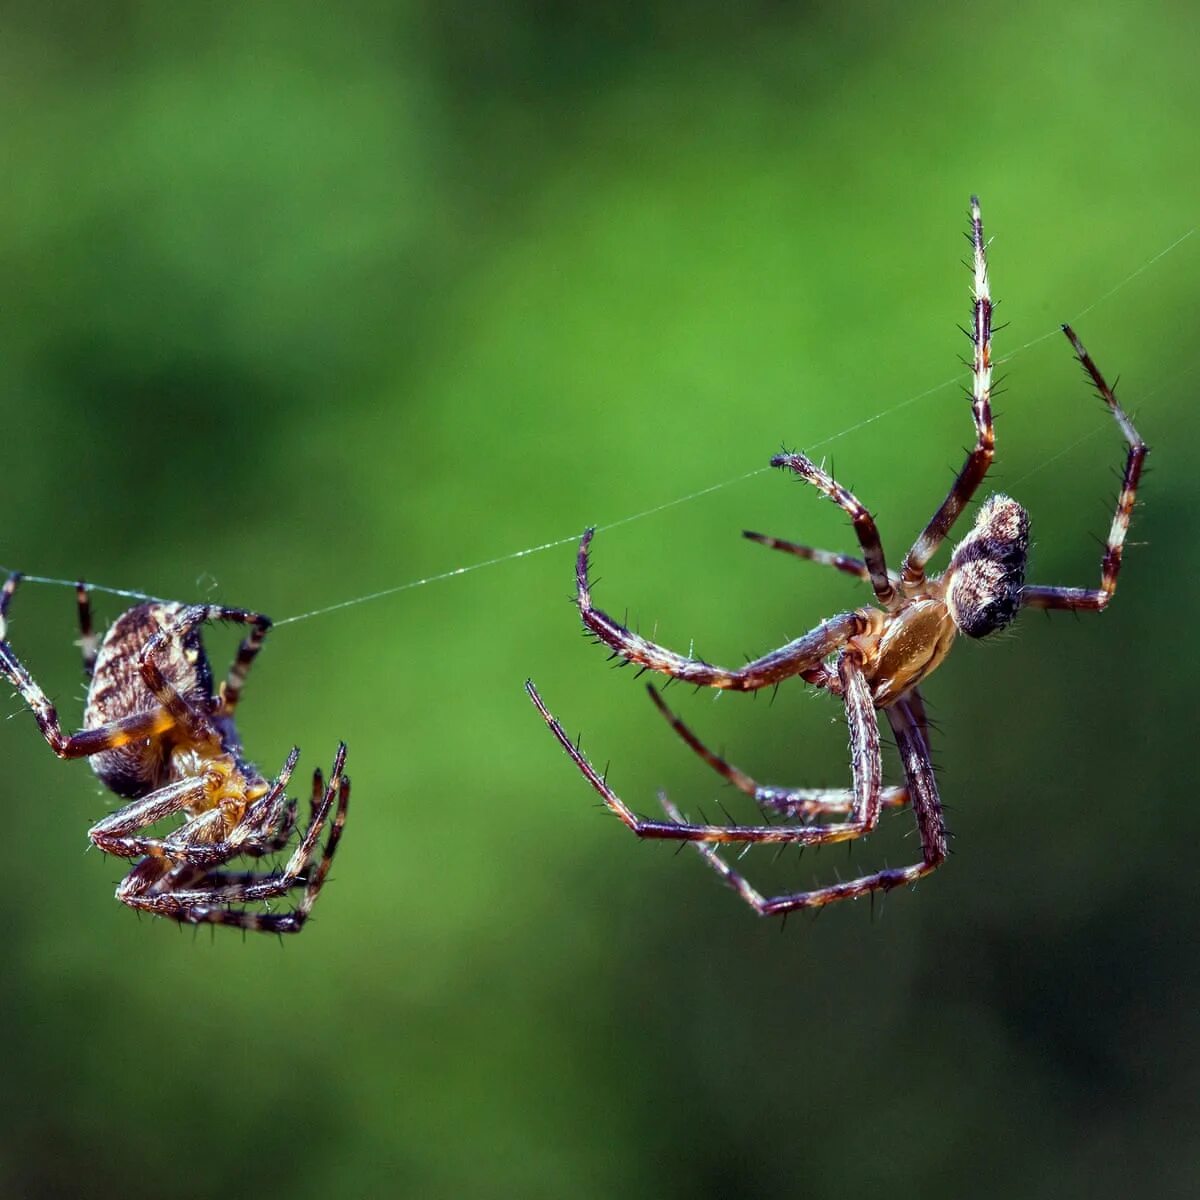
(86, 741)
(874, 564)
(908, 726)
(979, 458)
(867, 773)
(801, 803)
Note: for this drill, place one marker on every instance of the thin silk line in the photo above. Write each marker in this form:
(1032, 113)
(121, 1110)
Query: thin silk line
(658, 508)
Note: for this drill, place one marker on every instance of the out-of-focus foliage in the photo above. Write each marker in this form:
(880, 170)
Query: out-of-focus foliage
(306, 300)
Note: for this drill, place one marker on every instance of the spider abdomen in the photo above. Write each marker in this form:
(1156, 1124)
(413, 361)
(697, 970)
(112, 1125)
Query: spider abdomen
(118, 690)
(987, 569)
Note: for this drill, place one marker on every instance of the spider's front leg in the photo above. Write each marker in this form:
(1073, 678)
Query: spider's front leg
(1096, 599)
(86, 742)
(874, 564)
(801, 803)
(804, 657)
(979, 458)
(115, 834)
(908, 726)
(860, 712)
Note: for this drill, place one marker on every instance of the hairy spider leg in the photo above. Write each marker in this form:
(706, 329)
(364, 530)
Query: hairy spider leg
(199, 841)
(173, 710)
(915, 702)
(865, 530)
(318, 792)
(1089, 599)
(86, 741)
(247, 651)
(865, 759)
(114, 834)
(196, 905)
(918, 770)
(294, 921)
(195, 722)
(979, 459)
(803, 803)
(185, 877)
(89, 643)
(804, 657)
(823, 558)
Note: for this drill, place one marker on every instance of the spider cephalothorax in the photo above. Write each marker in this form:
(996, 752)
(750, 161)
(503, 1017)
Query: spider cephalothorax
(873, 658)
(159, 736)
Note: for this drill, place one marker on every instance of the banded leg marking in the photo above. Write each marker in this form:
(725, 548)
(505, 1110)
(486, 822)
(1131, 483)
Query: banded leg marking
(979, 459)
(918, 770)
(1096, 599)
(874, 560)
(803, 657)
(860, 712)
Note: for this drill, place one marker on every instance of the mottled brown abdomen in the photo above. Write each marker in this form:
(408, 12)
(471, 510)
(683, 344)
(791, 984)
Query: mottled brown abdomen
(118, 690)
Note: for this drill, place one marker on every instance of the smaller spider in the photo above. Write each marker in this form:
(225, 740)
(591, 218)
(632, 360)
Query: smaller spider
(159, 736)
(872, 658)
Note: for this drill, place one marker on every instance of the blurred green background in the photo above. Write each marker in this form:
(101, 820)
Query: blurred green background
(304, 301)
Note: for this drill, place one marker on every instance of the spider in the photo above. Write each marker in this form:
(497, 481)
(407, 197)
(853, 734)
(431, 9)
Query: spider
(873, 658)
(160, 737)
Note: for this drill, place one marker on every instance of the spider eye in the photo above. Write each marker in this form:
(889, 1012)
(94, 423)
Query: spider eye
(987, 570)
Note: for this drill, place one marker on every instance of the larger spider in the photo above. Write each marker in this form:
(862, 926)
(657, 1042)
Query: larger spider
(873, 658)
(158, 735)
